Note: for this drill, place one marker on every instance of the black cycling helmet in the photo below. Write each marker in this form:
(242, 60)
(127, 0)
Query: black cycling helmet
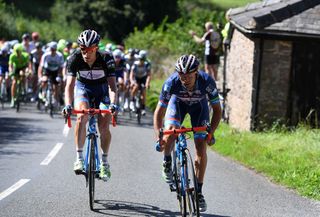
(187, 64)
(88, 38)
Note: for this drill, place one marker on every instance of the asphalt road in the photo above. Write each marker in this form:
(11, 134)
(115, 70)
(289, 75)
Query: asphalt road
(36, 177)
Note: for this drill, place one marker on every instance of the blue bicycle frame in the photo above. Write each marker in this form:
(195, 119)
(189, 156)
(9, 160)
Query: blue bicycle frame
(92, 134)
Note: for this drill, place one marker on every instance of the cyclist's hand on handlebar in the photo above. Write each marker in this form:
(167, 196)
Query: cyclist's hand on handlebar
(211, 139)
(114, 108)
(66, 111)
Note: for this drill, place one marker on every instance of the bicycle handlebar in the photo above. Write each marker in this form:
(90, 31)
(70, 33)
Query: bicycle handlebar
(183, 130)
(91, 111)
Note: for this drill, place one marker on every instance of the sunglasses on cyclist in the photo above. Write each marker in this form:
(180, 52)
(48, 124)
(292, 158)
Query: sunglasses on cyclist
(85, 50)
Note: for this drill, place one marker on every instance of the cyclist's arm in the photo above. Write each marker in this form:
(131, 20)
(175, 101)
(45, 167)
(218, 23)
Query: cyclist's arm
(112, 89)
(69, 90)
(131, 76)
(216, 117)
(148, 79)
(158, 118)
(40, 67)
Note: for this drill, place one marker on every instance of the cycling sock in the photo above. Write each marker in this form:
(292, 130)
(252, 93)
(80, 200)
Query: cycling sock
(200, 187)
(104, 159)
(167, 158)
(79, 154)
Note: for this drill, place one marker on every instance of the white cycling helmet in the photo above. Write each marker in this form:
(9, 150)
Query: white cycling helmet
(53, 45)
(187, 64)
(88, 38)
(117, 53)
(142, 55)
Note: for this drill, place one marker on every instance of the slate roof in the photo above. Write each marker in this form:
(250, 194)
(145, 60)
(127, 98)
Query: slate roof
(278, 16)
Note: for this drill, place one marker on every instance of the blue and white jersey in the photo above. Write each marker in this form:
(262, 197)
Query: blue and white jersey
(205, 87)
(141, 70)
(52, 62)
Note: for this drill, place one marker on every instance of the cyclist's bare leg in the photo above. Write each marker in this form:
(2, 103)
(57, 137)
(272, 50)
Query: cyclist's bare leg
(168, 141)
(80, 128)
(56, 92)
(134, 90)
(105, 134)
(44, 81)
(201, 159)
(13, 87)
(143, 96)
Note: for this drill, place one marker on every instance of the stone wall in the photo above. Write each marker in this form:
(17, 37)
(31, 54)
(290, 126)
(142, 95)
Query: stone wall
(274, 81)
(240, 66)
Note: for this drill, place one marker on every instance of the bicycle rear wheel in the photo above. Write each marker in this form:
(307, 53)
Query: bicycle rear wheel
(92, 173)
(193, 186)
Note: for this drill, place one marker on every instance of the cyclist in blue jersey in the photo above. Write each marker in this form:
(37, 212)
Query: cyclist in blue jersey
(90, 76)
(4, 67)
(187, 90)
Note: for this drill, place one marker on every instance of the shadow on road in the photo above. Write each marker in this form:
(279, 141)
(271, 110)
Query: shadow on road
(17, 131)
(126, 209)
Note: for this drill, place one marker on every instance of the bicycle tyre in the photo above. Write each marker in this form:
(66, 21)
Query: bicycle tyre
(176, 178)
(186, 208)
(92, 173)
(18, 96)
(194, 186)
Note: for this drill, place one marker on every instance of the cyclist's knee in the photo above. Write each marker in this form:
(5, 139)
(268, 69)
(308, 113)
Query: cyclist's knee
(82, 119)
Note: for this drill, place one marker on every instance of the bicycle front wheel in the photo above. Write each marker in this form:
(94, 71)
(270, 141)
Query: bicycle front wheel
(192, 187)
(92, 173)
(176, 178)
(185, 188)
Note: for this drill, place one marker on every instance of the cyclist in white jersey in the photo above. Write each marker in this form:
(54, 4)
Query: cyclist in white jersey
(51, 65)
(140, 75)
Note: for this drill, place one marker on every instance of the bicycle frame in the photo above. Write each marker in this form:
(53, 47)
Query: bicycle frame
(92, 162)
(92, 134)
(184, 184)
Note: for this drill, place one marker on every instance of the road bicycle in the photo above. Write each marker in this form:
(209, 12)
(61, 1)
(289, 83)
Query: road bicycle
(91, 162)
(138, 103)
(47, 99)
(184, 182)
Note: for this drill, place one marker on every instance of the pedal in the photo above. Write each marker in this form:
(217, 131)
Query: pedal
(78, 172)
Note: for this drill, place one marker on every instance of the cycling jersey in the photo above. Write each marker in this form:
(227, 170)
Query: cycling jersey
(179, 101)
(19, 62)
(120, 69)
(91, 82)
(52, 62)
(102, 68)
(141, 70)
(4, 60)
(129, 61)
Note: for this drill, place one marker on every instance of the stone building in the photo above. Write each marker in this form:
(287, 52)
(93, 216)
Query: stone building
(273, 63)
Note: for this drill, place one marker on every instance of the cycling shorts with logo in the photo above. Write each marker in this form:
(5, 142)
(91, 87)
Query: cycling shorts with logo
(97, 94)
(177, 110)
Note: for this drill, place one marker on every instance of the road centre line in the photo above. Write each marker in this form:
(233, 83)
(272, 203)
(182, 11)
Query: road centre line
(52, 154)
(13, 188)
(66, 130)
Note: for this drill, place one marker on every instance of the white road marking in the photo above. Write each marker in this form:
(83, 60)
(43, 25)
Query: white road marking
(13, 188)
(66, 130)
(52, 154)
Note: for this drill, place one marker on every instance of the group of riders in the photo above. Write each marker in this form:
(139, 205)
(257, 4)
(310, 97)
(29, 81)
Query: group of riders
(92, 77)
(35, 63)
